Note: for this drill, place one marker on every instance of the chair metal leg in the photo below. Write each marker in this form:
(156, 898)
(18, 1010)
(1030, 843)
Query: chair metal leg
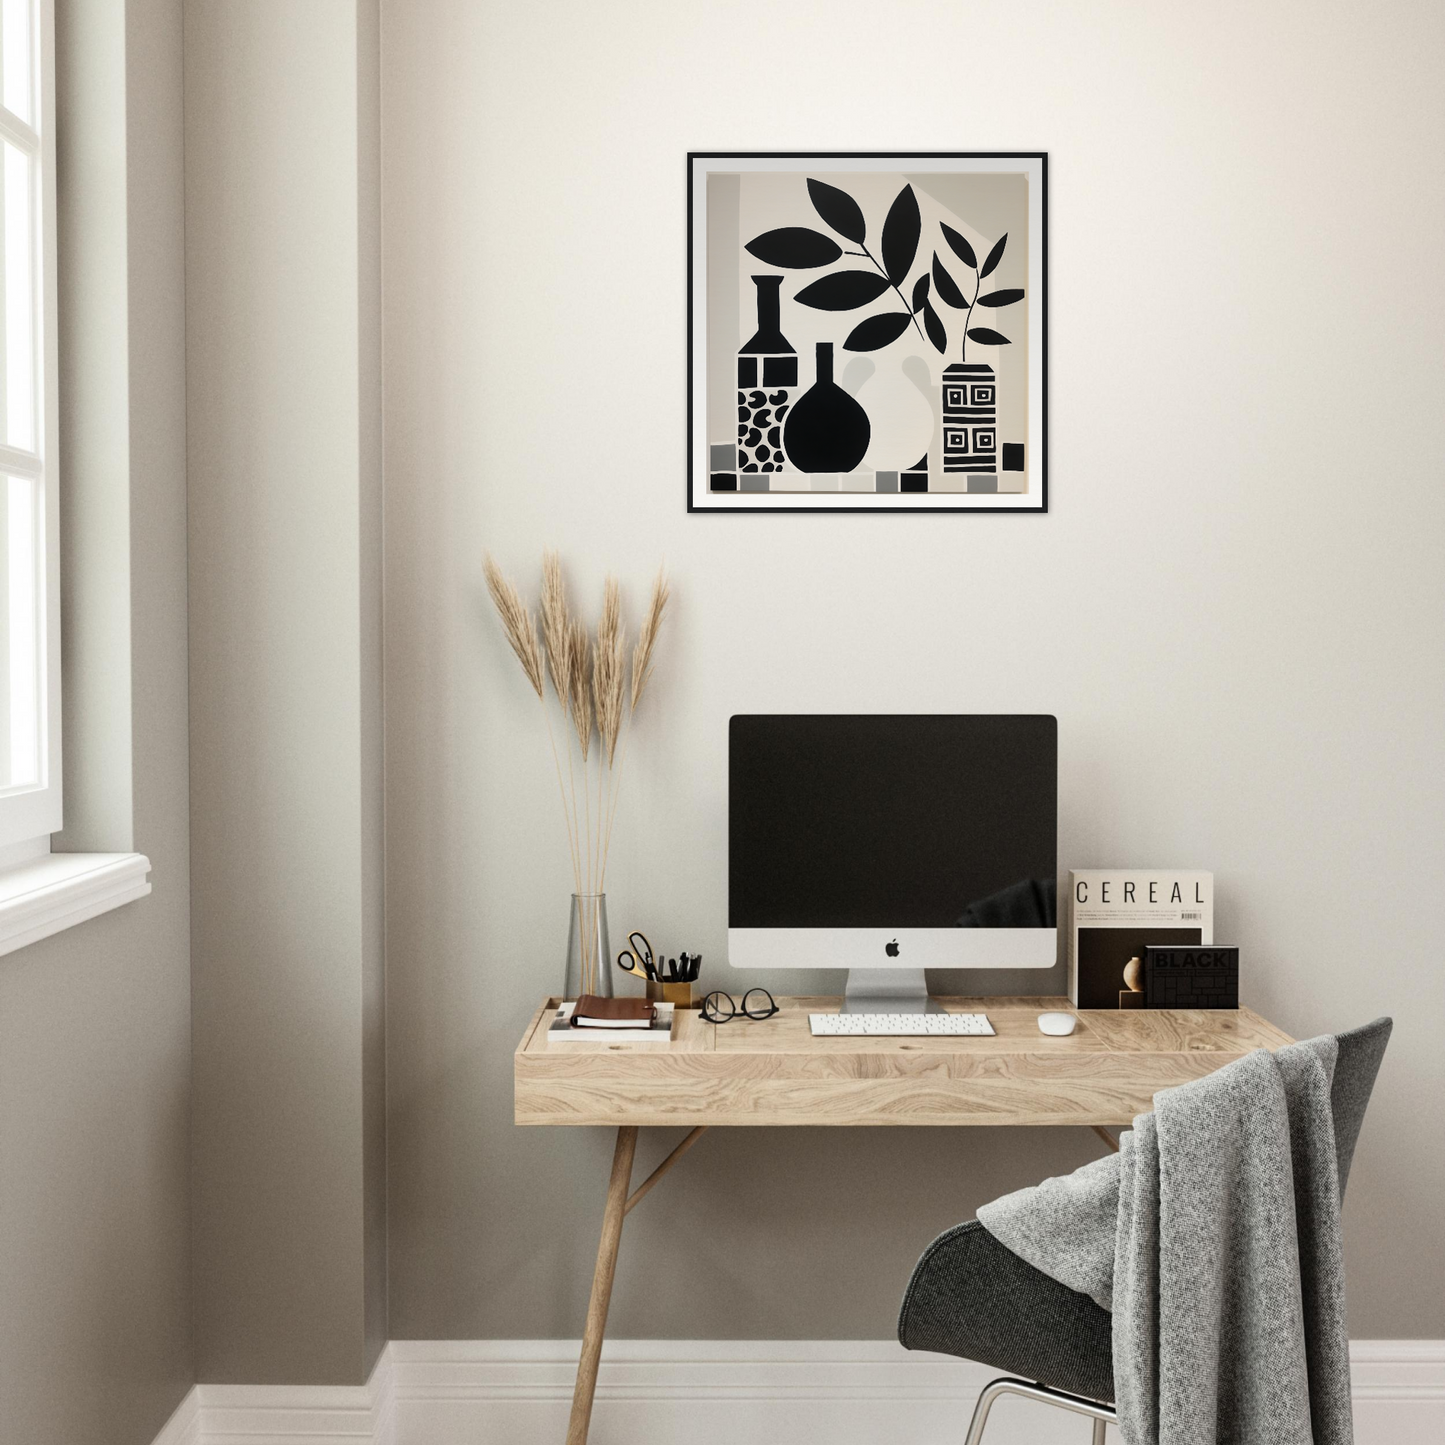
(980, 1411)
(1099, 1413)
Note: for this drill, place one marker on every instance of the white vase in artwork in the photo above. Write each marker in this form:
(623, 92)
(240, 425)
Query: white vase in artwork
(900, 414)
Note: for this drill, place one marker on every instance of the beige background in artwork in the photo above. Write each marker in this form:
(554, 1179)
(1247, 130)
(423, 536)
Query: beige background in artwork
(1234, 605)
(983, 207)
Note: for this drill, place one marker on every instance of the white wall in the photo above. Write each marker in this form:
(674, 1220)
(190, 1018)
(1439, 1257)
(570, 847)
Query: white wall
(1234, 606)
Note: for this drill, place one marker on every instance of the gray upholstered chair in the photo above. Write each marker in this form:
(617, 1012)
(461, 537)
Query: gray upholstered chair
(972, 1297)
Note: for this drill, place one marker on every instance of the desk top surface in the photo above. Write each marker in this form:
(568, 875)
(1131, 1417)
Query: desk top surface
(775, 1072)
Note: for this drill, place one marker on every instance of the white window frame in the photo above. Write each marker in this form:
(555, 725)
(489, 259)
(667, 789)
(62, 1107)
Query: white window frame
(42, 892)
(29, 815)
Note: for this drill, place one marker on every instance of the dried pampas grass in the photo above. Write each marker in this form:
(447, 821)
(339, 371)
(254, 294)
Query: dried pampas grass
(589, 682)
(647, 636)
(516, 622)
(556, 636)
(579, 685)
(609, 673)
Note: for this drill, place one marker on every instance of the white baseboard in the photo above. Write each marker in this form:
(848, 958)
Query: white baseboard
(713, 1392)
(288, 1414)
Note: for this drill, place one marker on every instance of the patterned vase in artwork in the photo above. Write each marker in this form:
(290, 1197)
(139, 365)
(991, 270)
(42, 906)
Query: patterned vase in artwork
(826, 430)
(970, 418)
(767, 383)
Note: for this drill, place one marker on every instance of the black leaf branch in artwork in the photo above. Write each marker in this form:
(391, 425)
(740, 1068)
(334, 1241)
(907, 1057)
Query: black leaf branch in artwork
(994, 256)
(843, 291)
(875, 332)
(796, 248)
(839, 210)
(920, 293)
(899, 246)
(959, 246)
(936, 332)
(900, 236)
(946, 287)
(901, 229)
(1004, 297)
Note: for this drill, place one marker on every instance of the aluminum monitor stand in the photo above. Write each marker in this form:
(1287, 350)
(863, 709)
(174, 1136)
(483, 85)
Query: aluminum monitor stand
(887, 991)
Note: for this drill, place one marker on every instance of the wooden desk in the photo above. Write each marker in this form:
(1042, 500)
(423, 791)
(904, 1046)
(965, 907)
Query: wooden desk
(758, 1073)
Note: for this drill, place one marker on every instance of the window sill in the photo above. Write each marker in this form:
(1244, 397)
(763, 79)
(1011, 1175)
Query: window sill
(60, 890)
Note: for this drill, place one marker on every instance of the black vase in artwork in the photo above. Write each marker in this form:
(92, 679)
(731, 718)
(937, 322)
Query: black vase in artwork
(767, 383)
(826, 431)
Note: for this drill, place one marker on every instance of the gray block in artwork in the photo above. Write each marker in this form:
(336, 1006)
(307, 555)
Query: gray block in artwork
(724, 458)
(754, 481)
(886, 481)
(983, 482)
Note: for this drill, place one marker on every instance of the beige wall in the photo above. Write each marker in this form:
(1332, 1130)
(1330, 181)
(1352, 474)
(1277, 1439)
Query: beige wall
(282, 317)
(95, 1344)
(369, 622)
(1234, 606)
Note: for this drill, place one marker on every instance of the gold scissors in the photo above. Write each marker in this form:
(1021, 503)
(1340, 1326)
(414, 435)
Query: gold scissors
(638, 957)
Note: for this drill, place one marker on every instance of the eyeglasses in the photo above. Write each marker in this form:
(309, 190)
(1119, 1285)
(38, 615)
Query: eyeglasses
(719, 1008)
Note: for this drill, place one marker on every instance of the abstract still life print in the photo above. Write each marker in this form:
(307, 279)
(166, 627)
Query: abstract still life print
(867, 332)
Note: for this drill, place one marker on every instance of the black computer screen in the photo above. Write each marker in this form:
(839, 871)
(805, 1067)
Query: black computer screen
(933, 821)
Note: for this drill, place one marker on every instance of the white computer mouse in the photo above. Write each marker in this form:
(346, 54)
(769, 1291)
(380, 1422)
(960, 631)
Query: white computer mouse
(1057, 1023)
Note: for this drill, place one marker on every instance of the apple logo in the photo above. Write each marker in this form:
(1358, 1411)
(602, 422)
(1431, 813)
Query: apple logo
(891, 949)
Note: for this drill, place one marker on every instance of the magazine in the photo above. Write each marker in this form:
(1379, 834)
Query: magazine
(1114, 913)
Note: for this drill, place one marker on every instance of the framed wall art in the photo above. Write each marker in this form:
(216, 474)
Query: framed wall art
(867, 332)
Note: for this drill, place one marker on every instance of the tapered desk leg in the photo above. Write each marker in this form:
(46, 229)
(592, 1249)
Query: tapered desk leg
(612, 1217)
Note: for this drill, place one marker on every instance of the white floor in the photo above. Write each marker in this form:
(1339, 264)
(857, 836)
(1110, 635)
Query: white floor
(714, 1392)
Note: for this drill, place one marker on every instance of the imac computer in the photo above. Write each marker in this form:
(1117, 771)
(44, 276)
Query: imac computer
(890, 844)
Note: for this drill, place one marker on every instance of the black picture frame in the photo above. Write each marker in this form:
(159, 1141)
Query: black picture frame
(1038, 237)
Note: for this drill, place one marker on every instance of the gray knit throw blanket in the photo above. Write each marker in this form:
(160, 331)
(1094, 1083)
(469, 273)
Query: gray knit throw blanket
(1214, 1237)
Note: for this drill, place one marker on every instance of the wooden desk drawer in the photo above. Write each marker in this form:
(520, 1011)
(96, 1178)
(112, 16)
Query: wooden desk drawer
(775, 1073)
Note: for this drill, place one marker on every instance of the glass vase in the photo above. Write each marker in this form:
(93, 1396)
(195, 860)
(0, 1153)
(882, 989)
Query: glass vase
(589, 952)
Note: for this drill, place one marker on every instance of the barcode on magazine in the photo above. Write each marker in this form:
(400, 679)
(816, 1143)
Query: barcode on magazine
(1196, 916)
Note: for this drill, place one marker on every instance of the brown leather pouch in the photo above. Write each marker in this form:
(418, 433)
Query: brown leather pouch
(619, 1012)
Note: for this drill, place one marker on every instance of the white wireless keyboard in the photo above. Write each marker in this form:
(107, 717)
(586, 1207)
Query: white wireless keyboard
(899, 1025)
